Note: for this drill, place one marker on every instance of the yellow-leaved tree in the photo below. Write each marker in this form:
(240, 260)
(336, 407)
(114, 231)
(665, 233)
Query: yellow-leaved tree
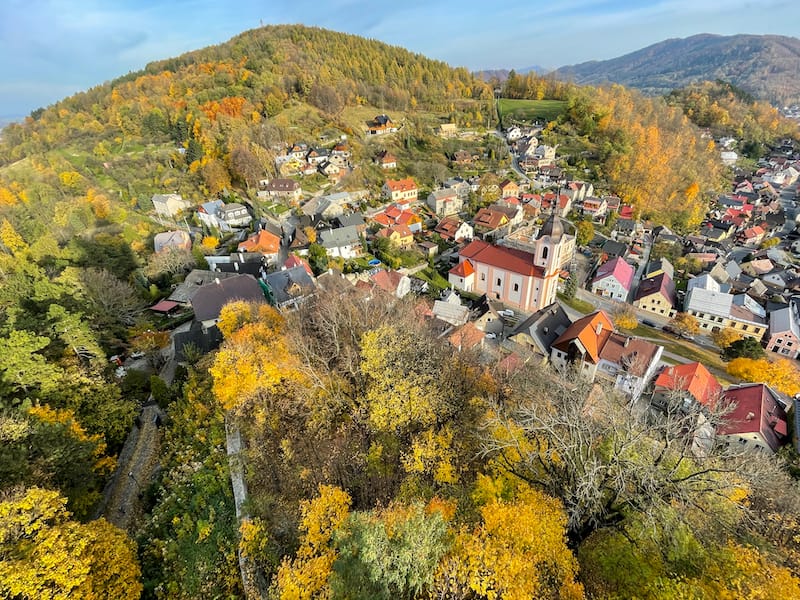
(518, 552)
(306, 575)
(781, 374)
(44, 555)
(255, 360)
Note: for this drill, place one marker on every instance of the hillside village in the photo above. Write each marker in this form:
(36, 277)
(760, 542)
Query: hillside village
(500, 266)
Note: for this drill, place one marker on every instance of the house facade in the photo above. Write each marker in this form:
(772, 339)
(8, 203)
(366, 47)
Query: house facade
(445, 202)
(613, 280)
(169, 205)
(233, 215)
(344, 242)
(453, 229)
(285, 188)
(757, 420)
(656, 294)
(400, 190)
(784, 331)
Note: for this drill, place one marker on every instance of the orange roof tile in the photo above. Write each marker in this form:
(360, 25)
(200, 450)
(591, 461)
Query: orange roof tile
(263, 241)
(401, 185)
(693, 378)
(592, 331)
(463, 269)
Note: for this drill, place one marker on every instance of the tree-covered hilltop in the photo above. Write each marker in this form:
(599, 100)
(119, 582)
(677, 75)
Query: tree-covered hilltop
(728, 110)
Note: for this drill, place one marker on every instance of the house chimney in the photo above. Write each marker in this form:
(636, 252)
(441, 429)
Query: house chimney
(750, 416)
(627, 341)
(599, 328)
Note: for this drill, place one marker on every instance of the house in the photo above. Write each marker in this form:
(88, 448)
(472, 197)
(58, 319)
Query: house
(400, 190)
(239, 263)
(489, 219)
(399, 235)
(380, 125)
(514, 277)
(448, 130)
(656, 294)
(344, 242)
(289, 287)
(296, 261)
(716, 310)
(538, 332)
(757, 420)
(468, 337)
(509, 188)
(386, 160)
(170, 205)
(462, 158)
(453, 313)
(578, 191)
(596, 208)
(233, 215)
(196, 279)
(784, 330)
(613, 280)
(591, 345)
(208, 301)
(207, 213)
(287, 189)
(655, 267)
(752, 236)
(264, 242)
(391, 282)
(453, 229)
(353, 219)
(461, 187)
(445, 202)
(686, 384)
(180, 240)
(611, 249)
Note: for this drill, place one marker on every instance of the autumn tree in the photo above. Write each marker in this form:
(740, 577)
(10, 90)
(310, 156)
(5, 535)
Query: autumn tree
(519, 551)
(595, 452)
(780, 374)
(307, 575)
(584, 233)
(45, 554)
(624, 316)
(170, 261)
(110, 298)
(725, 337)
(685, 324)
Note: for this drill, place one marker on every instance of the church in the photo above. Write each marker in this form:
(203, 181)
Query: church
(519, 279)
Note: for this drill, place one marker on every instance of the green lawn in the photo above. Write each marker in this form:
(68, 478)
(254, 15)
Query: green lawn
(530, 110)
(576, 303)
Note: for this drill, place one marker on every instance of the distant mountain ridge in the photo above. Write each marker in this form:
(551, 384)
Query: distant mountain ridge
(767, 66)
(502, 74)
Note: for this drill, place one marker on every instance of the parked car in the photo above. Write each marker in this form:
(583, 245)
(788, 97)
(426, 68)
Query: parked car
(135, 355)
(649, 323)
(506, 312)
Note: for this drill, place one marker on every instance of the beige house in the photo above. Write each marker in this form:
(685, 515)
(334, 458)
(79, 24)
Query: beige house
(169, 205)
(400, 189)
(657, 295)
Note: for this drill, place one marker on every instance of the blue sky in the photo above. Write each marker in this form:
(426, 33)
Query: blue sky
(53, 48)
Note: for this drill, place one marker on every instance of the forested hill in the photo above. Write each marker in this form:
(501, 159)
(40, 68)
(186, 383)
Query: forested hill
(767, 66)
(249, 78)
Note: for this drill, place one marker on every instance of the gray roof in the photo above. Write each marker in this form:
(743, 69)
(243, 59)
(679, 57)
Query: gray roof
(289, 285)
(785, 319)
(209, 299)
(544, 326)
(353, 219)
(336, 238)
(193, 282)
(455, 314)
(708, 301)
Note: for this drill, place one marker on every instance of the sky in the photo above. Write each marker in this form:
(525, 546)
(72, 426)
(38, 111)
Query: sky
(50, 49)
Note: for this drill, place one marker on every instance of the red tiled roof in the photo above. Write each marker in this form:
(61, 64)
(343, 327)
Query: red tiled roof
(509, 259)
(466, 337)
(164, 306)
(756, 410)
(592, 331)
(296, 261)
(463, 269)
(693, 378)
(263, 241)
(447, 227)
(401, 185)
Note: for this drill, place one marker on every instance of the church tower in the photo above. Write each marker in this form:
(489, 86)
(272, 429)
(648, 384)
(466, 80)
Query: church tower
(549, 249)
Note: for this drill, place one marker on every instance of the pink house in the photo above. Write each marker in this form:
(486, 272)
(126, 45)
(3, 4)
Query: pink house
(784, 331)
(613, 280)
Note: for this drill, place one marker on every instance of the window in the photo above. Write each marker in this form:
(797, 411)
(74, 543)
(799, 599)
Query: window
(516, 287)
(483, 276)
(544, 252)
(788, 344)
(499, 282)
